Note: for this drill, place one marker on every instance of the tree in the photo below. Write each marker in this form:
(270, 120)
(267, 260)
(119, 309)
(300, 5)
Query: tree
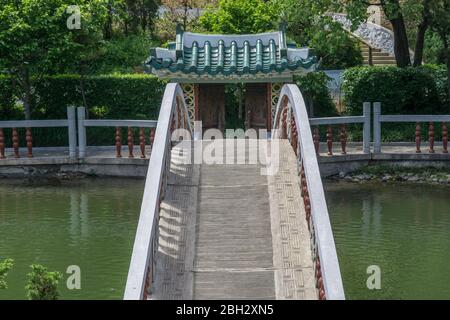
(357, 13)
(309, 25)
(140, 15)
(33, 36)
(42, 284)
(440, 23)
(5, 266)
(241, 16)
(86, 44)
(422, 28)
(183, 12)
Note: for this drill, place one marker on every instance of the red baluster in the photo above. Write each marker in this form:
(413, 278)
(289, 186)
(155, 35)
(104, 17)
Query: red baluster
(118, 142)
(431, 137)
(284, 124)
(173, 124)
(316, 139)
(444, 138)
(293, 134)
(142, 142)
(418, 137)
(307, 208)
(330, 140)
(319, 280)
(152, 137)
(130, 143)
(29, 140)
(344, 138)
(318, 269)
(179, 116)
(322, 294)
(2, 144)
(15, 142)
(304, 187)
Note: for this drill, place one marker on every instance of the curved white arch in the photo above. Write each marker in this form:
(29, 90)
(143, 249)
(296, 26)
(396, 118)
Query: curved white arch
(324, 247)
(173, 115)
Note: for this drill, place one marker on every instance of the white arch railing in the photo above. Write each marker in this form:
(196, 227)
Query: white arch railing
(291, 122)
(173, 115)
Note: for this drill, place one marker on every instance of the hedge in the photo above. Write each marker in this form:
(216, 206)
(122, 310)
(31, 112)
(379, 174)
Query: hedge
(107, 97)
(418, 90)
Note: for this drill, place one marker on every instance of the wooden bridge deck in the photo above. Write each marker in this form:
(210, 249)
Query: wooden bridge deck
(228, 232)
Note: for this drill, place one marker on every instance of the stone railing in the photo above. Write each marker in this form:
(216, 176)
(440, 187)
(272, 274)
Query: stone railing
(378, 119)
(70, 123)
(342, 123)
(130, 124)
(173, 115)
(372, 34)
(292, 123)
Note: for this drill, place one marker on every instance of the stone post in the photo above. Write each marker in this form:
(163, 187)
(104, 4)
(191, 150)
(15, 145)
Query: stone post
(366, 128)
(71, 126)
(81, 113)
(376, 127)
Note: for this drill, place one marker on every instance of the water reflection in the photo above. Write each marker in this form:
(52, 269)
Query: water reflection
(403, 228)
(371, 216)
(88, 222)
(79, 216)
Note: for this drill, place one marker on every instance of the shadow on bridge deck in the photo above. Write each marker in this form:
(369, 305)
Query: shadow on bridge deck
(228, 232)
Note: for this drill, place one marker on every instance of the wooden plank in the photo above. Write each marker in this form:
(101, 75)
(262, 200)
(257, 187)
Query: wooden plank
(227, 232)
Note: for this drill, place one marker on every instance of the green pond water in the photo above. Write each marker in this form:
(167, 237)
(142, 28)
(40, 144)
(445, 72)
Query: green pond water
(402, 228)
(90, 223)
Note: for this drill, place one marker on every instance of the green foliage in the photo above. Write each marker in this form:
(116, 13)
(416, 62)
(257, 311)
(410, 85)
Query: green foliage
(400, 90)
(308, 25)
(433, 48)
(240, 17)
(313, 86)
(5, 266)
(33, 37)
(118, 96)
(42, 284)
(124, 55)
(85, 45)
(7, 99)
(108, 97)
(33, 33)
(335, 47)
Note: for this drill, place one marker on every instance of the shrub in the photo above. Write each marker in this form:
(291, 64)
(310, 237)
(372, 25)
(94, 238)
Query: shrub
(5, 266)
(107, 96)
(418, 90)
(7, 105)
(136, 96)
(313, 86)
(124, 54)
(336, 49)
(42, 284)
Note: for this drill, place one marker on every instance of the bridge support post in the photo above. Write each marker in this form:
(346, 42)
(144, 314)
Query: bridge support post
(376, 127)
(81, 114)
(71, 125)
(366, 128)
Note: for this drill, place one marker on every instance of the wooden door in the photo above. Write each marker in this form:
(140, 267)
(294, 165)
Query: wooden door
(256, 106)
(211, 104)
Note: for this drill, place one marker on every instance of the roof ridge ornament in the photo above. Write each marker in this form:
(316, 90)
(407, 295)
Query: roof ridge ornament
(179, 41)
(282, 40)
(261, 57)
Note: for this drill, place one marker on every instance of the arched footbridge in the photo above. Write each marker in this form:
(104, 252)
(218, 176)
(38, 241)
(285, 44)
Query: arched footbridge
(231, 228)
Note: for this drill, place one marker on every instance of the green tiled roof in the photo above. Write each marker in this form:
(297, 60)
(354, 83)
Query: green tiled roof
(226, 55)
